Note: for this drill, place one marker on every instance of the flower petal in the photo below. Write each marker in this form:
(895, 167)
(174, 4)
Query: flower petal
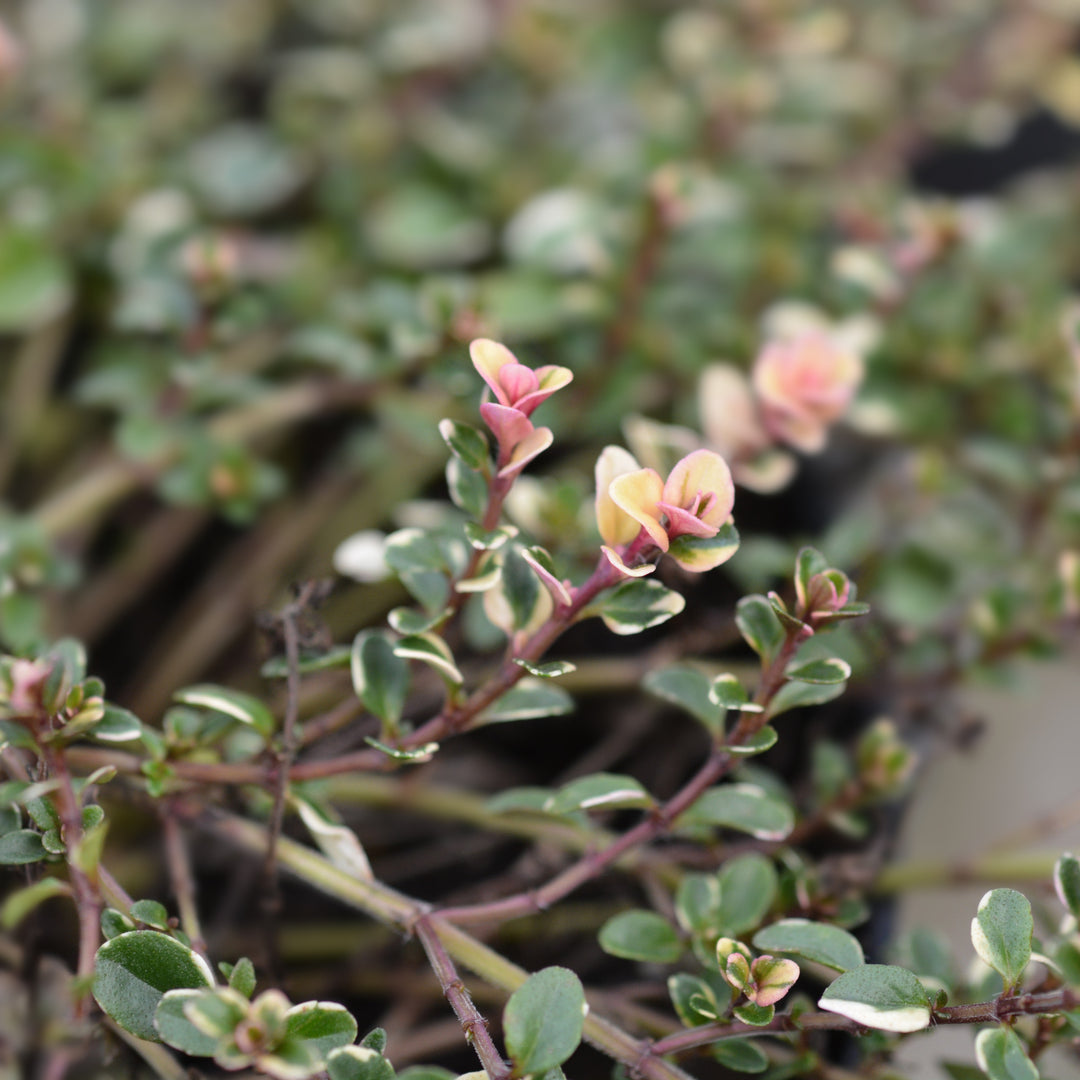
(536, 442)
(637, 493)
(706, 472)
(615, 525)
(489, 358)
(518, 381)
(510, 426)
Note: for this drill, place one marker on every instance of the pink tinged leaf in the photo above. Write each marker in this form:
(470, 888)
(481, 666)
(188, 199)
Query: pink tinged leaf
(706, 473)
(536, 442)
(638, 494)
(509, 426)
(771, 979)
(615, 559)
(682, 521)
(737, 971)
(549, 379)
(558, 589)
(518, 381)
(616, 526)
(489, 358)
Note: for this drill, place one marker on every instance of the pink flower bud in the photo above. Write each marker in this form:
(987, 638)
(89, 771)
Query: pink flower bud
(803, 385)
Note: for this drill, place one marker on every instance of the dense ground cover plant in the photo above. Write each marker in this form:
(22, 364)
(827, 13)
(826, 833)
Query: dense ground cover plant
(289, 286)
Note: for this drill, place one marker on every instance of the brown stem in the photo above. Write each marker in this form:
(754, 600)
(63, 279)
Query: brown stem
(471, 1019)
(182, 880)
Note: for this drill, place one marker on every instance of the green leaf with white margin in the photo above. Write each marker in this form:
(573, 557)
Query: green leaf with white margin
(689, 690)
(1001, 933)
(321, 1026)
(410, 621)
(528, 700)
(641, 935)
(698, 553)
(600, 791)
(520, 587)
(380, 676)
(134, 971)
(240, 706)
(1067, 883)
(415, 756)
(727, 692)
(637, 605)
(467, 443)
(1001, 1055)
(759, 625)
(825, 672)
(817, 942)
(150, 913)
(761, 740)
(337, 656)
(544, 1019)
(420, 564)
(116, 726)
(242, 977)
(467, 487)
(694, 1000)
(358, 1063)
(431, 650)
(799, 695)
(697, 904)
(748, 887)
(758, 1015)
(488, 540)
(175, 1029)
(337, 842)
(551, 670)
(745, 808)
(879, 996)
(740, 1055)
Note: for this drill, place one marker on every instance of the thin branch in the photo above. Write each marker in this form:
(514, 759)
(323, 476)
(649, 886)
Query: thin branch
(183, 882)
(472, 1021)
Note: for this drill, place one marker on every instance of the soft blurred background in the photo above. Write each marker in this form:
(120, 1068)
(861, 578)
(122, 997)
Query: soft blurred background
(244, 246)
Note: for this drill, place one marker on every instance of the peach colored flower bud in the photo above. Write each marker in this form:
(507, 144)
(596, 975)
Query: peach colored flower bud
(616, 526)
(803, 385)
(513, 384)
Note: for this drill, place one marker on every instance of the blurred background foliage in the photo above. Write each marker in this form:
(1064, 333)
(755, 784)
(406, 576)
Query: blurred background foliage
(244, 245)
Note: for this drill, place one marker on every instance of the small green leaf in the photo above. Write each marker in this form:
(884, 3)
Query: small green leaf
(740, 1055)
(697, 904)
(727, 692)
(133, 971)
(21, 846)
(696, 1001)
(408, 621)
(1001, 1055)
(1067, 883)
(824, 672)
(242, 977)
(420, 564)
(758, 1015)
(240, 706)
(416, 756)
(10, 819)
(600, 791)
(799, 695)
(818, 942)
(530, 699)
(808, 562)
(431, 650)
(43, 813)
(1001, 933)
(744, 807)
(336, 841)
(689, 689)
(321, 1025)
(879, 996)
(748, 888)
(150, 913)
(375, 1040)
(763, 739)
(114, 923)
(380, 676)
(117, 725)
(551, 670)
(641, 935)
(759, 626)
(468, 488)
(20, 903)
(705, 552)
(544, 1019)
(638, 605)
(467, 443)
(337, 656)
(488, 539)
(174, 1028)
(358, 1063)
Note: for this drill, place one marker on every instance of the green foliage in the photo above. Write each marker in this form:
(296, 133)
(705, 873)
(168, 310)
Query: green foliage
(1001, 933)
(823, 944)
(641, 935)
(879, 996)
(745, 808)
(543, 1020)
(1001, 1055)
